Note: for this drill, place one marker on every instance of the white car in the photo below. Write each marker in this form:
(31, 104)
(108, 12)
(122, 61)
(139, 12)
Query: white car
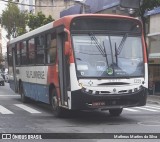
(1, 81)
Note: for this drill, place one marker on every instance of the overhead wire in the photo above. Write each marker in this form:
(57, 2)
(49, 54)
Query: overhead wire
(30, 4)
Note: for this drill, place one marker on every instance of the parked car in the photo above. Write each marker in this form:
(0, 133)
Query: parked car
(1, 81)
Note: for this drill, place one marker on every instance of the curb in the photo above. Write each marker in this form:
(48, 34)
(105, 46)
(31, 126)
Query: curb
(153, 102)
(153, 99)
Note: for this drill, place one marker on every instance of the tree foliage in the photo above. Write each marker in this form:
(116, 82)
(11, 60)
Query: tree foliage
(13, 20)
(35, 21)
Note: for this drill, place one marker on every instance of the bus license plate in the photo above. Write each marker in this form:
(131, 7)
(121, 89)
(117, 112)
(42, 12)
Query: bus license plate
(98, 103)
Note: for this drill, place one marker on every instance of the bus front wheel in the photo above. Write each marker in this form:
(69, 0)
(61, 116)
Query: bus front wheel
(57, 110)
(115, 112)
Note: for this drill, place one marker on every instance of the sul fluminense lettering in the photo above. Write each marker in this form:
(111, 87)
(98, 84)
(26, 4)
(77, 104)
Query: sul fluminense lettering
(35, 74)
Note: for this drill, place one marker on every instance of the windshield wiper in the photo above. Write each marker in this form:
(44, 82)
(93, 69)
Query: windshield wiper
(111, 48)
(105, 54)
(116, 54)
(122, 44)
(99, 47)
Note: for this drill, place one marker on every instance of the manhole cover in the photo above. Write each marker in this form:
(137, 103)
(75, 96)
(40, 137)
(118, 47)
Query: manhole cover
(150, 123)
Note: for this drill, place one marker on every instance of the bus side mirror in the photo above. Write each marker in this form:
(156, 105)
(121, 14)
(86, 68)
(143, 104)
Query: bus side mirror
(67, 43)
(135, 4)
(67, 48)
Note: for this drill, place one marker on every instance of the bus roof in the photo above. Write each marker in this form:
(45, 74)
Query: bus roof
(66, 20)
(31, 33)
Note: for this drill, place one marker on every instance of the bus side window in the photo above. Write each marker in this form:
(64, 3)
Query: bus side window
(18, 54)
(31, 51)
(51, 48)
(40, 58)
(23, 53)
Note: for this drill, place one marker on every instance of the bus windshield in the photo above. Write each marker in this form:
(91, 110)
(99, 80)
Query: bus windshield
(103, 56)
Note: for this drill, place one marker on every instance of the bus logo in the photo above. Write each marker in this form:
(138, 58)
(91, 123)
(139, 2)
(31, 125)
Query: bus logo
(110, 71)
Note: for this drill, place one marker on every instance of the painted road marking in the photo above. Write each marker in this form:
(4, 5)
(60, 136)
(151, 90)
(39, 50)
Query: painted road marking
(3, 110)
(131, 109)
(143, 108)
(153, 107)
(26, 108)
(9, 95)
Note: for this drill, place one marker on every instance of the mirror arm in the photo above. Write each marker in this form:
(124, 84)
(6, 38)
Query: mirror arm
(67, 43)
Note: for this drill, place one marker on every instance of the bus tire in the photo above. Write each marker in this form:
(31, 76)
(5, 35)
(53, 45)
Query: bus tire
(57, 110)
(3, 84)
(115, 112)
(23, 97)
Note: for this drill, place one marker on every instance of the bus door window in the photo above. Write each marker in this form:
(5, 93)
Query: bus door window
(10, 63)
(51, 48)
(40, 58)
(31, 50)
(18, 55)
(24, 53)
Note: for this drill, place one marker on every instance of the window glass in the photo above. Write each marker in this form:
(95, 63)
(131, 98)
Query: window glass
(23, 53)
(18, 54)
(24, 59)
(10, 55)
(40, 42)
(31, 49)
(18, 48)
(51, 51)
(23, 47)
(102, 56)
(18, 59)
(40, 57)
(40, 54)
(31, 45)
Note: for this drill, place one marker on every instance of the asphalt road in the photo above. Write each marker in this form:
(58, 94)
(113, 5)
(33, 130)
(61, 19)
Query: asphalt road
(35, 117)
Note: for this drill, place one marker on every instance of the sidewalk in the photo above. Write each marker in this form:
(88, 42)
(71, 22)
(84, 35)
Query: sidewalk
(153, 99)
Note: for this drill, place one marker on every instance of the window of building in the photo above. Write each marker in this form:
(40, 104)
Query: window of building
(154, 50)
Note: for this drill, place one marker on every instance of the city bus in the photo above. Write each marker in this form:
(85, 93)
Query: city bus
(82, 62)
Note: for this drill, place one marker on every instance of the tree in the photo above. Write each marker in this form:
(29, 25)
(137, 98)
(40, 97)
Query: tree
(13, 20)
(35, 21)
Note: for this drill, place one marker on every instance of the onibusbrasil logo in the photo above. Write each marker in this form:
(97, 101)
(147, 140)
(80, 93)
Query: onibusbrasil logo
(110, 71)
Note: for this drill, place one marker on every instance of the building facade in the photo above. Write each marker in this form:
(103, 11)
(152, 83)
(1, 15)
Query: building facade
(26, 5)
(52, 7)
(153, 40)
(96, 6)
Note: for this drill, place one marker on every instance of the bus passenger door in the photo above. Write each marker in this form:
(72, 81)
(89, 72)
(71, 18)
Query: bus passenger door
(14, 69)
(63, 69)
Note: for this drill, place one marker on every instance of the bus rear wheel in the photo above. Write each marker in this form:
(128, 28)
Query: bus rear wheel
(57, 110)
(115, 112)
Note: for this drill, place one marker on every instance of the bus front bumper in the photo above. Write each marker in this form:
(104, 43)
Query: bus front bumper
(83, 101)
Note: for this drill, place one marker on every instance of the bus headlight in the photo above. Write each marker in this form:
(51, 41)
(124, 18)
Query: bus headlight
(93, 92)
(81, 85)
